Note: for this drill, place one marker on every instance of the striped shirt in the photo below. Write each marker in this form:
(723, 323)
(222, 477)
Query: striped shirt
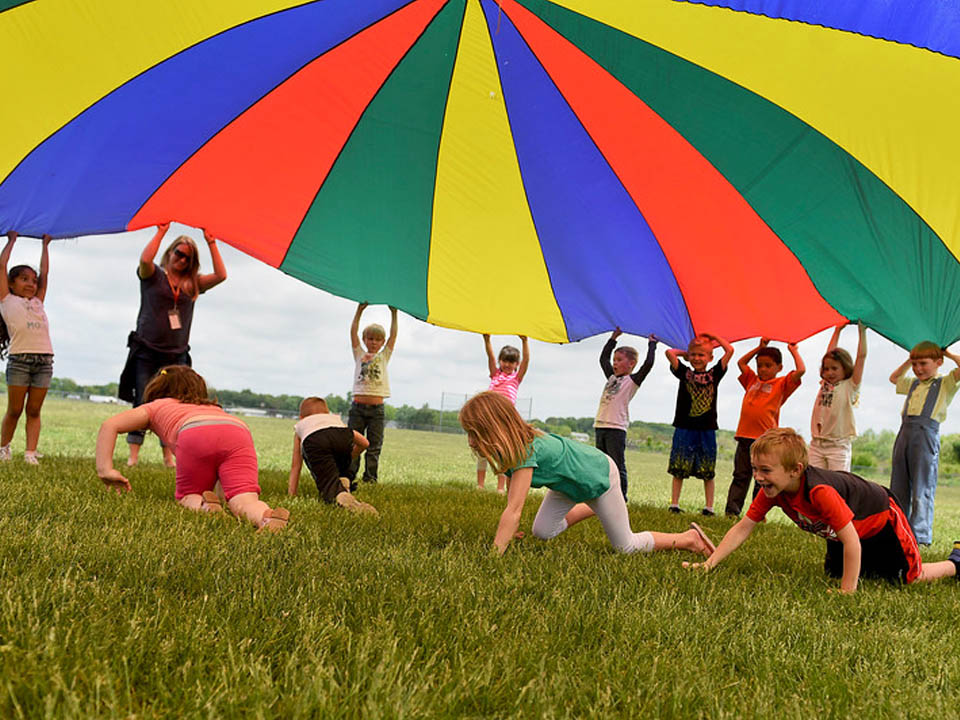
(506, 385)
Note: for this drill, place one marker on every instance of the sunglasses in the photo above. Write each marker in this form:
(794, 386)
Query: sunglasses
(181, 254)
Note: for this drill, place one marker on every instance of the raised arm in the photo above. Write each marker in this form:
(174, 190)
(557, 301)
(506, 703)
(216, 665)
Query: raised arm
(800, 368)
(898, 373)
(858, 364)
(355, 325)
(519, 487)
(392, 339)
(640, 375)
(734, 538)
(956, 359)
(491, 360)
(744, 362)
(835, 338)
(4, 260)
(296, 465)
(44, 268)
(606, 352)
(133, 419)
(145, 268)
(727, 349)
(524, 358)
(674, 355)
(219, 273)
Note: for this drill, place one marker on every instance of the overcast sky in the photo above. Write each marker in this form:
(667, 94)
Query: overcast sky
(271, 333)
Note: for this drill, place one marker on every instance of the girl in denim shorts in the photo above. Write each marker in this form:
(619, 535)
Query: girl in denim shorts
(25, 340)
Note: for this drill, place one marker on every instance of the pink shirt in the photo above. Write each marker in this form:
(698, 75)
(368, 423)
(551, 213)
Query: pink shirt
(167, 416)
(506, 385)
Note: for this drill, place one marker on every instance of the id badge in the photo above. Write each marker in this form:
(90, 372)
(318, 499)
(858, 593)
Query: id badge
(174, 316)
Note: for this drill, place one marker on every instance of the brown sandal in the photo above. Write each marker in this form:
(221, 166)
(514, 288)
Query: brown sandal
(711, 548)
(212, 501)
(274, 520)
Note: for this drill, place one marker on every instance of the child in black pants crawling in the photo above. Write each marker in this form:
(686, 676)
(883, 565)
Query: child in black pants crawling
(327, 446)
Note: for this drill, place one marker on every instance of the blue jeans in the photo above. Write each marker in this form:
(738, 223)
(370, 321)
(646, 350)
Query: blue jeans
(367, 420)
(913, 476)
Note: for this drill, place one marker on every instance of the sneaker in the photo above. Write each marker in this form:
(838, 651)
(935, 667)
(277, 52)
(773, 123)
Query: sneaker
(674, 509)
(707, 512)
(955, 557)
(30, 458)
(5, 453)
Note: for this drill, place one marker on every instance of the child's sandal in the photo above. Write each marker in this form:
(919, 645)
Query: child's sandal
(349, 502)
(212, 502)
(274, 520)
(711, 548)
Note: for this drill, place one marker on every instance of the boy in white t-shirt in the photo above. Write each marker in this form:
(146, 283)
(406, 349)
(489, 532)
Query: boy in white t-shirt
(613, 413)
(371, 386)
(327, 446)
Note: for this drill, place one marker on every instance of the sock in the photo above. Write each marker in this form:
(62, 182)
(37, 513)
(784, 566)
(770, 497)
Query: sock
(674, 506)
(708, 507)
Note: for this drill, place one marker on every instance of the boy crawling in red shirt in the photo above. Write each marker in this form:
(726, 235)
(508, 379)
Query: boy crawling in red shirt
(866, 531)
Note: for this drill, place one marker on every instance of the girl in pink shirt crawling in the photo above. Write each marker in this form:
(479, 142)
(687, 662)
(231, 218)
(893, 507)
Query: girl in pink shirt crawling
(208, 444)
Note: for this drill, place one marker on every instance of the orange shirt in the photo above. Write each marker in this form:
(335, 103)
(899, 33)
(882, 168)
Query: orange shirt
(761, 404)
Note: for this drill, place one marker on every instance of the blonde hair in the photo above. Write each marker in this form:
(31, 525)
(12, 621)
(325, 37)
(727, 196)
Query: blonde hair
(375, 331)
(782, 443)
(630, 352)
(312, 406)
(188, 281)
(496, 430)
(926, 349)
(700, 342)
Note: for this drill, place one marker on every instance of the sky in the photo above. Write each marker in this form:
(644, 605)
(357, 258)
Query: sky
(271, 333)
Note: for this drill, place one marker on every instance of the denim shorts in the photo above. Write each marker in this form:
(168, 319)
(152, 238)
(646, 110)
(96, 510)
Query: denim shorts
(29, 370)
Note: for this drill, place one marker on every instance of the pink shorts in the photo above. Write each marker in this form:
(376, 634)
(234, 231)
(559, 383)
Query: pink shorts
(207, 452)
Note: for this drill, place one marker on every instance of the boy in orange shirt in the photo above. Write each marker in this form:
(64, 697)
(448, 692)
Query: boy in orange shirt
(766, 392)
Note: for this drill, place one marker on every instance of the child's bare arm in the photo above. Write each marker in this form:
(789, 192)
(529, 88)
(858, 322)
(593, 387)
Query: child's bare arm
(392, 339)
(524, 358)
(674, 355)
(360, 443)
(145, 268)
(44, 268)
(355, 325)
(4, 260)
(851, 558)
(898, 373)
(295, 466)
(491, 360)
(731, 541)
(797, 360)
(133, 419)
(835, 338)
(858, 364)
(956, 359)
(519, 487)
(219, 274)
(744, 362)
(727, 349)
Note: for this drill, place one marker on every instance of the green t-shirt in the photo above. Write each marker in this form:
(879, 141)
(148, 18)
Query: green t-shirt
(579, 471)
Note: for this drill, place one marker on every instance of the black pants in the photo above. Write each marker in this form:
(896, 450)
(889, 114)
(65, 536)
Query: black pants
(327, 455)
(742, 473)
(613, 442)
(367, 420)
(147, 363)
(881, 556)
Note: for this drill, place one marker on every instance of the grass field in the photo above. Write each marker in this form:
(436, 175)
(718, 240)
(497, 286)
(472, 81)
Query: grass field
(131, 607)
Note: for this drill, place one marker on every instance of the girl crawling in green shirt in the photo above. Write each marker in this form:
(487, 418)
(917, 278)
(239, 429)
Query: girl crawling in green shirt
(581, 481)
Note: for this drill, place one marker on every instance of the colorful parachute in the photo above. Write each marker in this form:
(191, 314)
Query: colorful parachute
(549, 168)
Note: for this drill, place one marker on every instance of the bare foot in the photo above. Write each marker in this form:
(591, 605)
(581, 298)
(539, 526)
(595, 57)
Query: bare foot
(168, 458)
(131, 461)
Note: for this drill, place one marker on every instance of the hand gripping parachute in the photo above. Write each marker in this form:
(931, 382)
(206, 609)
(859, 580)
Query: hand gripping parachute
(516, 166)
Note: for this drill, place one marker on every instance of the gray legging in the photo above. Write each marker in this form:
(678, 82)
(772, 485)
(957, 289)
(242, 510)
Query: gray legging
(609, 507)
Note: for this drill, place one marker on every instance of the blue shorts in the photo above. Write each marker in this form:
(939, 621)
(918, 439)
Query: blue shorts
(694, 454)
(29, 370)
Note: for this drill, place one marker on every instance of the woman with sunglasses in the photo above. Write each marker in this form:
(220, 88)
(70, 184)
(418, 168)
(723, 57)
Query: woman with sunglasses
(162, 337)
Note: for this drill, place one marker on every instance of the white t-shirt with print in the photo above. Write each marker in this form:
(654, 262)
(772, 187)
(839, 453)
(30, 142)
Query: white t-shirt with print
(370, 376)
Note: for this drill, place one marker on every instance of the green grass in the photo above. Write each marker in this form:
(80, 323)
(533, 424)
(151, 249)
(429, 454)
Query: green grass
(131, 607)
